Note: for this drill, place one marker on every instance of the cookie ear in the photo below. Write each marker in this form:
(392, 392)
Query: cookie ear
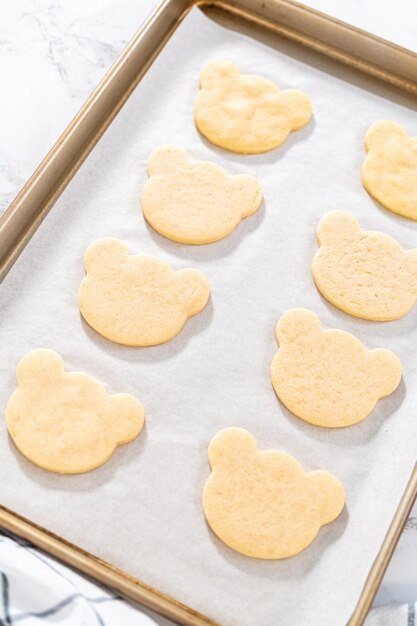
(128, 416)
(195, 289)
(250, 192)
(385, 371)
(295, 323)
(337, 226)
(231, 445)
(218, 71)
(166, 158)
(299, 107)
(38, 367)
(379, 133)
(331, 493)
(104, 253)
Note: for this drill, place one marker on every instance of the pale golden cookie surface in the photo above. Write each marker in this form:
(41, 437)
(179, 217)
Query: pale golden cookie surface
(389, 172)
(262, 504)
(137, 300)
(195, 202)
(66, 422)
(246, 113)
(364, 273)
(327, 377)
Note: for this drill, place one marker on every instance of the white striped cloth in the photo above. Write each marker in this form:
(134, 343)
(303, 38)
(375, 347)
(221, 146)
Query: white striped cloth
(36, 590)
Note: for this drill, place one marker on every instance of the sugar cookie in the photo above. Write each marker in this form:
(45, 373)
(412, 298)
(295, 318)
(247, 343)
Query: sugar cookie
(246, 113)
(66, 422)
(366, 274)
(327, 377)
(389, 172)
(262, 504)
(137, 300)
(195, 202)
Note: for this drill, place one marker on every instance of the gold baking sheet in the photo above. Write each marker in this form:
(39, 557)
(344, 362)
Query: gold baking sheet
(303, 26)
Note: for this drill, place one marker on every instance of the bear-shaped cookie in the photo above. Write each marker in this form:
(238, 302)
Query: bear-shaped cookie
(364, 273)
(389, 171)
(137, 300)
(66, 422)
(262, 504)
(195, 202)
(246, 113)
(327, 377)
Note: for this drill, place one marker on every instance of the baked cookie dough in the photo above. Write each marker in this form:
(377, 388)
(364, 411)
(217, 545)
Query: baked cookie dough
(327, 377)
(262, 504)
(389, 172)
(195, 202)
(246, 113)
(364, 273)
(137, 300)
(66, 422)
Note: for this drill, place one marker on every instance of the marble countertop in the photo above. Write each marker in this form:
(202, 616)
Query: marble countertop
(53, 53)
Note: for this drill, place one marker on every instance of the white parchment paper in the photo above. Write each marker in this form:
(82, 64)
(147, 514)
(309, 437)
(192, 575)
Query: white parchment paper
(142, 510)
